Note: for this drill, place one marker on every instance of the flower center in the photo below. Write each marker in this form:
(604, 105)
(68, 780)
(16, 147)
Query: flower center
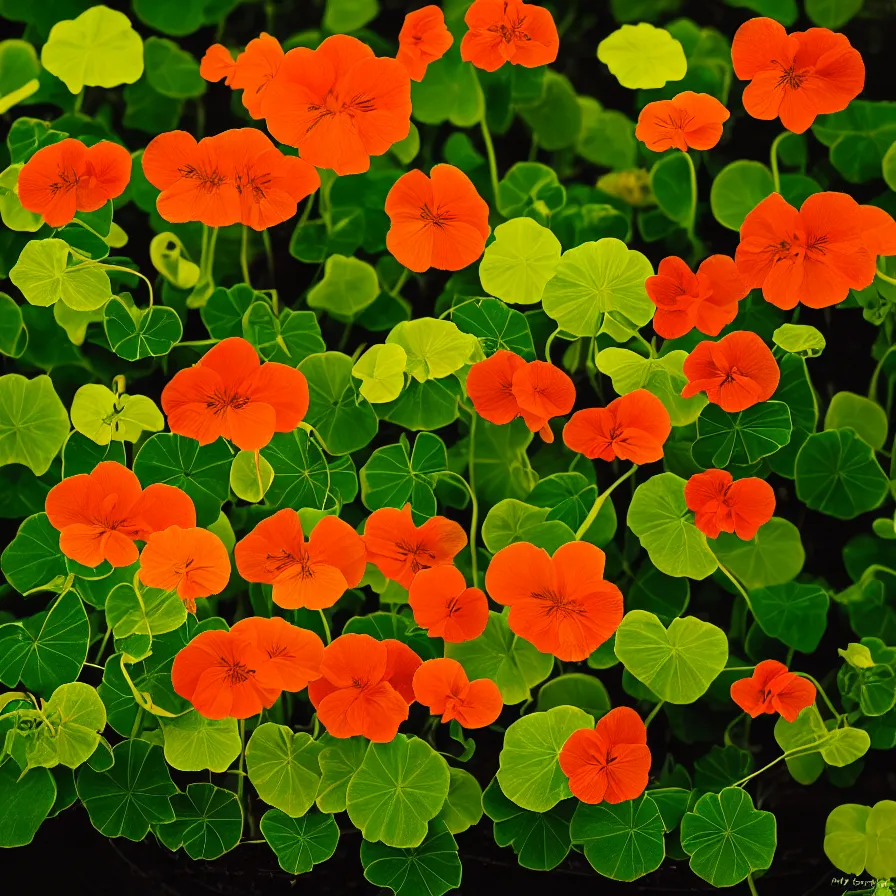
(284, 560)
(219, 401)
(418, 555)
(511, 29)
(790, 78)
(558, 606)
(208, 180)
(66, 180)
(235, 672)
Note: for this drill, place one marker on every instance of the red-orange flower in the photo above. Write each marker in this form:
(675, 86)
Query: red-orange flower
(509, 31)
(706, 300)
(423, 38)
(252, 71)
(814, 255)
(292, 655)
(771, 689)
(445, 607)
(687, 121)
(68, 177)
(736, 372)
(365, 687)
(439, 221)
(230, 393)
(102, 513)
(633, 427)
(225, 675)
(609, 763)
(490, 386)
(722, 505)
(795, 77)
(193, 562)
(443, 686)
(269, 183)
(400, 549)
(878, 230)
(313, 573)
(196, 179)
(339, 104)
(561, 604)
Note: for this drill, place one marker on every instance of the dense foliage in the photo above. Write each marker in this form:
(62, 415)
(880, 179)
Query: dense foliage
(410, 425)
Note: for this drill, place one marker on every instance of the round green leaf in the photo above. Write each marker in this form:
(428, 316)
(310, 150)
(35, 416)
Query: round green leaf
(13, 333)
(398, 789)
(622, 841)
(850, 411)
(300, 843)
(134, 793)
(799, 339)
(511, 521)
(77, 716)
(342, 16)
(556, 118)
(833, 14)
(132, 609)
(194, 743)
(449, 92)
(289, 339)
(742, 438)
(433, 867)
(134, 334)
(530, 188)
(250, 476)
(283, 767)
(497, 327)
(101, 415)
(670, 181)
(302, 477)
(463, 805)
(838, 474)
(223, 313)
(643, 57)
(174, 17)
(172, 71)
(339, 760)
(520, 261)
(862, 838)
(658, 515)
(774, 556)
(575, 689)
(737, 189)
(678, 664)
(32, 559)
(529, 771)
(508, 660)
(202, 471)
(728, 838)
(434, 348)
(26, 803)
(33, 422)
(796, 614)
(348, 286)
(381, 371)
(597, 279)
(97, 49)
(208, 822)
(658, 593)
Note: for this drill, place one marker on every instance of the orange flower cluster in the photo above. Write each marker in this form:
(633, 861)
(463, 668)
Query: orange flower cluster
(722, 505)
(68, 177)
(504, 387)
(235, 674)
(772, 689)
(238, 176)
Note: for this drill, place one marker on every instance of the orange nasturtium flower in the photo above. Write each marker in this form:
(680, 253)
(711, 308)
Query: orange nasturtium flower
(633, 427)
(238, 673)
(736, 372)
(509, 31)
(423, 38)
(443, 686)
(797, 76)
(610, 762)
(252, 71)
(230, 393)
(439, 221)
(706, 300)
(194, 178)
(193, 562)
(504, 387)
(339, 104)
(313, 573)
(102, 513)
(366, 687)
(561, 604)
(722, 505)
(68, 177)
(400, 549)
(771, 689)
(687, 121)
(269, 183)
(814, 255)
(444, 605)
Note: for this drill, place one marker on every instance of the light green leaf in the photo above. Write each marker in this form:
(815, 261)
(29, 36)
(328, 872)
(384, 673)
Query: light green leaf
(529, 771)
(861, 839)
(33, 422)
(169, 258)
(850, 411)
(434, 348)
(463, 805)
(643, 57)
(834, 14)
(381, 371)
(283, 767)
(678, 664)
(13, 215)
(42, 275)
(342, 16)
(737, 189)
(774, 556)
(250, 477)
(348, 286)
(76, 717)
(799, 339)
(587, 692)
(300, 843)
(194, 743)
(102, 416)
(339, 760)
(132, 609)
(510, 521)
(135, 334)
(97, 49)
(520, 261)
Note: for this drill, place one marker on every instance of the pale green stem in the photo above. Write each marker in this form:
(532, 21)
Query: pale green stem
(323, 619)
(773, 158)
(490, 152)
(240, 781)
(548, 344)
(474, 503)
(751, 884)
(599, 502)
(740, 588)
(885, 277)
(269, 255)
(653, 713)
(399, 284)
(875, 377)
(244, 256)
(821, 691)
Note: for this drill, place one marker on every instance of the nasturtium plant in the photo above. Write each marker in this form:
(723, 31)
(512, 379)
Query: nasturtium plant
(454, 438)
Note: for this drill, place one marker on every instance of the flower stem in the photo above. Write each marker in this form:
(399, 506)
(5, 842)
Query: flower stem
(241, 778)
(653, 712)
(599, 502)
(269, 255)
(875, 377)
(740, 588)
(803, 750)
(323, 619)
(752, 885)
(244, 256)
(143, 277)
(399, 284)
(773, 158)
(885, 277)
(474, 503)
(821, 691)
(548, 344)
(490, 152)
(79, 101)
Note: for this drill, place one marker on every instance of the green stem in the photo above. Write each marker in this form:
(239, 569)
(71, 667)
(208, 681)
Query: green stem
(399, 284)
(789, 658)
(692, 214)
(261, 489)
(752, 885)
(885, 277)
(474, 503)
(548, 344)
(241, 778)
(651, 353)
(773, 158)
(599, 502)
(79, 101)
(207, 262)
(244, 256)
(323, 619)
(103, 644)
(803, 750)
(197, 343)
(492, 161)
(138, 723)
(740, 588)
(875, 377)
(653, 713)
(821, 691)
(118, 267)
